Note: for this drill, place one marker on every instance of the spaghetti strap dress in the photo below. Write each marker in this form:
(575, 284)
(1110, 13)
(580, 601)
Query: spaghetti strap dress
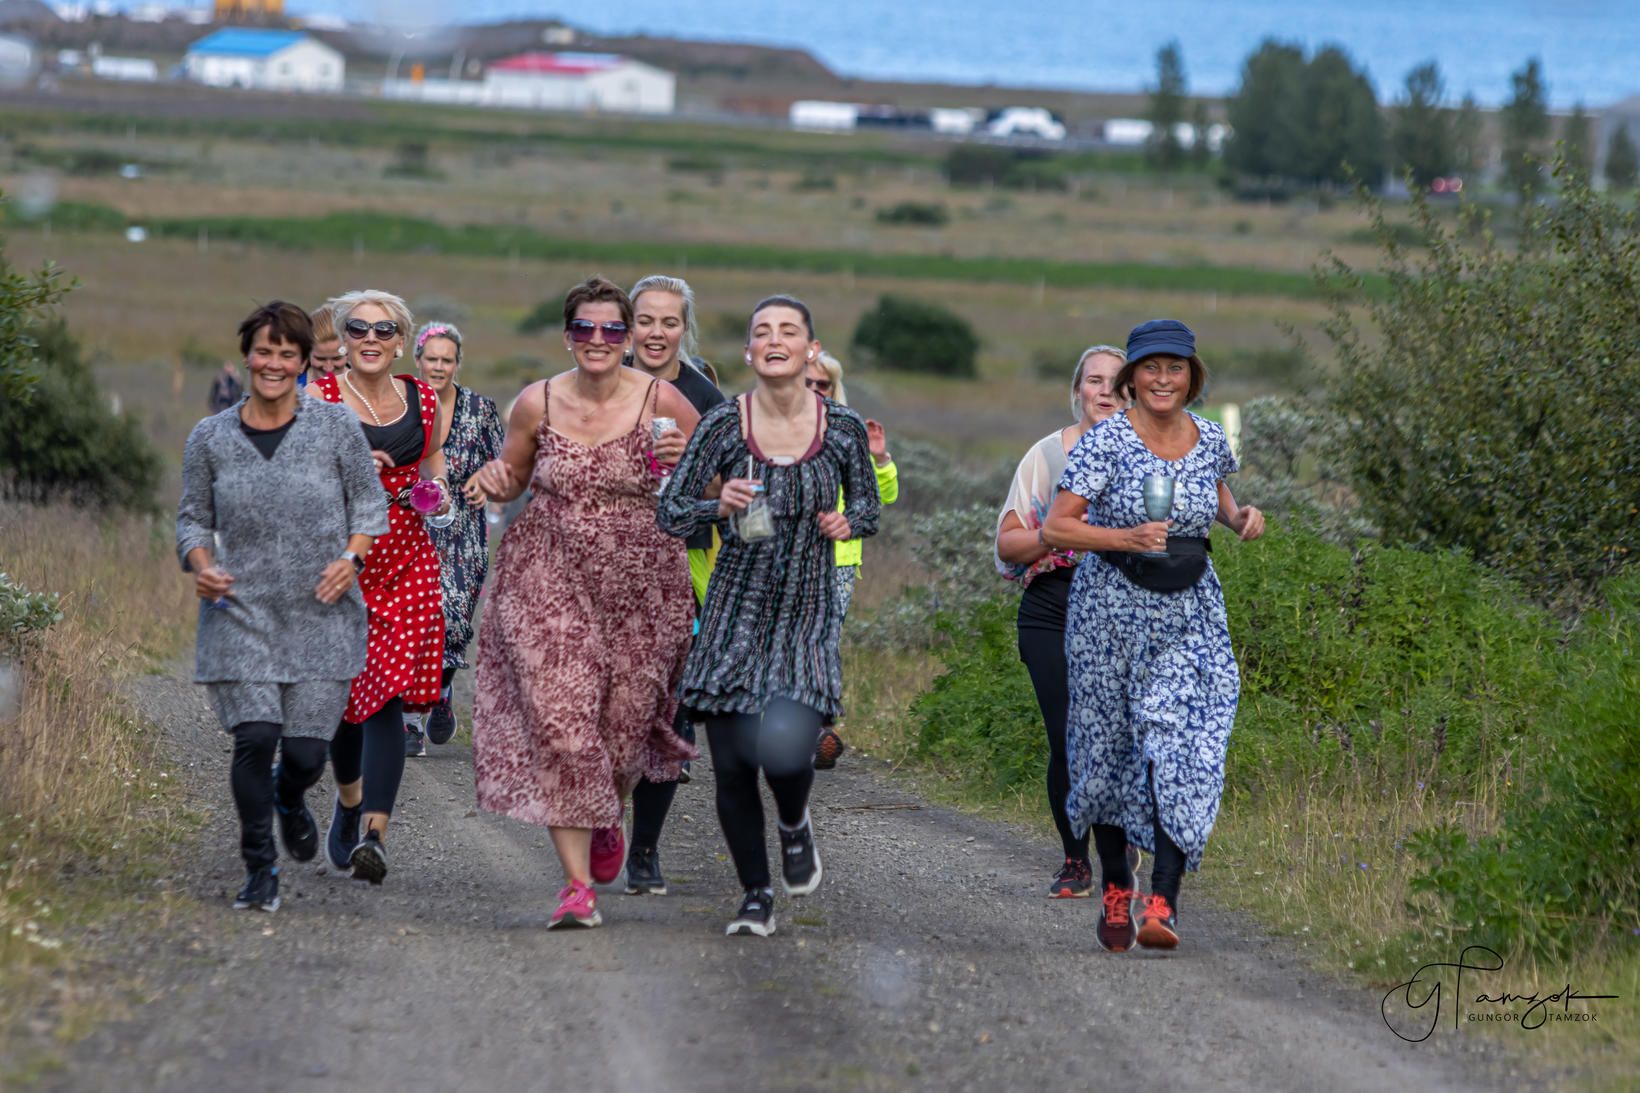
(583, 638)
(400, 582)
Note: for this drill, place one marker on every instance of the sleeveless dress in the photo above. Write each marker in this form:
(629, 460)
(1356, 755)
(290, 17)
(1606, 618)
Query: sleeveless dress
(400, 583)
(583, 638)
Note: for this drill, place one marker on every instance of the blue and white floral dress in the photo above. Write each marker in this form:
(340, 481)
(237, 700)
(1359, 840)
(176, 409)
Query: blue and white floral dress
(1152, 677)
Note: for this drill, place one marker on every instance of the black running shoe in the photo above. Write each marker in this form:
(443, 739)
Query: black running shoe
(756, 914)
(369, 858)
(643, 872)
(1075, 880)
(1116, 931)
(297, 828)
(261, 891)
(799, 860)
(441, 721)
(415, 741)
(344, 834)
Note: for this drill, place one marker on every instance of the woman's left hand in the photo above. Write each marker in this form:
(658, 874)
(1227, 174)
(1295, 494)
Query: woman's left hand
(334, 581)
(669, 448)
(474, 495)
(1248, 523)
(834, 526)
(877, 441)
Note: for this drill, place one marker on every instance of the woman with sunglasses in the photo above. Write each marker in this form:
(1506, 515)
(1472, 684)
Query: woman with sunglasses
(825, 378)
(471, 437)
(405, 657)
(589, 614)
(765, 669)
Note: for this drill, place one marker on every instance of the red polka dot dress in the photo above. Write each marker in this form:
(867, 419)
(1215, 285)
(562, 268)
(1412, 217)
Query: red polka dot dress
(401, 591)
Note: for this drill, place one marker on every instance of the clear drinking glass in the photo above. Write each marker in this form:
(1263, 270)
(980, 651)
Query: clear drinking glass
(1158, 495)
(657, 426)
(425, 497)
(221, 603)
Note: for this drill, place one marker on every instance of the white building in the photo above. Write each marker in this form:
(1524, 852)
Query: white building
(267, 60)
(580, 81)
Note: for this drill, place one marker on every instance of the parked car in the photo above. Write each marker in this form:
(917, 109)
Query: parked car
(1026, 121)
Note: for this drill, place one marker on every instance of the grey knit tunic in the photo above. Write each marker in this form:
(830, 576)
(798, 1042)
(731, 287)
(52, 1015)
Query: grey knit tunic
(281, 522)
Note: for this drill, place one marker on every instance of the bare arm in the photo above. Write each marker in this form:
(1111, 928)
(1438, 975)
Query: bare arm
(504, 479)
(1066, 528)
(670, 402)
(1017, 544)
(1245, 520)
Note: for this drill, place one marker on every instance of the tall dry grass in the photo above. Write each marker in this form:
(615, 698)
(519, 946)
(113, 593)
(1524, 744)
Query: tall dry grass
(83, 795)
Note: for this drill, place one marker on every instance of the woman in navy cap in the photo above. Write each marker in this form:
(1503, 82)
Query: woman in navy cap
(1153, 680)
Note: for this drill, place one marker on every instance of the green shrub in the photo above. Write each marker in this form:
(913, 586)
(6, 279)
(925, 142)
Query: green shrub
(64, 443)
(922, 214)
(544, 316)
(916, 336)
(1490, 394)
(977, 164)
(24, 615)
(1562, 870)
(25, 301)
(814, 181)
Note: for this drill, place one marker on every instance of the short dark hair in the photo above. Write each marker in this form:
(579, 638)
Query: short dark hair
(782, 301)
(285, 322)
(597, 290)
(1198, 377)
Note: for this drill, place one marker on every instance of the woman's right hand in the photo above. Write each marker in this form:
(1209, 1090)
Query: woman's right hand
(495, 478)
(213, 582)
(736, 495)
(1148, 537)
(383, 460)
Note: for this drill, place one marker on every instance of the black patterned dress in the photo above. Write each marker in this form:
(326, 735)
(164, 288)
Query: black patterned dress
(463, 547)
(771, 622)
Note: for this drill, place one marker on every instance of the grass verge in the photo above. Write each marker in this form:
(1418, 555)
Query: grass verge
(87, 809)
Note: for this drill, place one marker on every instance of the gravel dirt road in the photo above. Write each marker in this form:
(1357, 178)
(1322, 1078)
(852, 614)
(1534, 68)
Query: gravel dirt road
(928, 959)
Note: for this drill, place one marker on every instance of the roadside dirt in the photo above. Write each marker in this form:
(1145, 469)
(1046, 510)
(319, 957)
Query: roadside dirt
(928, 959)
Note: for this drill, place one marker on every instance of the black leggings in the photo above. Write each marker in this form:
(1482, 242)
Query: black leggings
(1166, 871)
(651, 801)
(779, 742)
(373, 751)
(254, 791)
(1042, 611)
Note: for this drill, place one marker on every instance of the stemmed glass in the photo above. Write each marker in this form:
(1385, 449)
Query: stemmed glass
(217, 560)
(425, 497)
(1158, 495)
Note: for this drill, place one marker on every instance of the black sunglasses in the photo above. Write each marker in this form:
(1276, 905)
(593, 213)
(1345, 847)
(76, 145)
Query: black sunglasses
(358, 328)
(581, 331)
(819, 386)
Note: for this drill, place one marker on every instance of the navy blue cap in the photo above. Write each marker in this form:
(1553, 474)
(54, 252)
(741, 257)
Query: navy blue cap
(1158, 337)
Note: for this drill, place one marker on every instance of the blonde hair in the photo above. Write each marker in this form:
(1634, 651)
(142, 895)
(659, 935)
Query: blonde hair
(344, 305)
(1081, 365)
(677, 286)
(834, 372)
(324, 327)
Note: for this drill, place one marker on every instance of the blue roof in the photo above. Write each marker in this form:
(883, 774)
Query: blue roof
(247, 42)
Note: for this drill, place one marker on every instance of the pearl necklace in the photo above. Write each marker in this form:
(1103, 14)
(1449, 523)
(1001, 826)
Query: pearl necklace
(373, 415)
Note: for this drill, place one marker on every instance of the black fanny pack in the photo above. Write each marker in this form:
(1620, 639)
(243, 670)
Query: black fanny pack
(1180, 568)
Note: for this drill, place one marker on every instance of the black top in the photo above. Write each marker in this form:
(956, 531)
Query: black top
(702, 395)
(267, 440)
(402, 440)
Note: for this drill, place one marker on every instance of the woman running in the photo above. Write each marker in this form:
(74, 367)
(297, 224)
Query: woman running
(471, 438)
(400, 418)
(279, 507)
(588, 620)
(765, 669)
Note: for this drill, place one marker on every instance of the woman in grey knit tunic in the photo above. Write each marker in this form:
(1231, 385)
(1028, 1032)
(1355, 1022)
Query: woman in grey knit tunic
(765, 668)
(280, 503)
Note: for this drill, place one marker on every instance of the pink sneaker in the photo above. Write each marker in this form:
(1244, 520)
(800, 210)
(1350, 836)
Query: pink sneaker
(608, 853)
(577, 906)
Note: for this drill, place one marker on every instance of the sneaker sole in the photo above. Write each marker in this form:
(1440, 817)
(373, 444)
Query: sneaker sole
(269, 906)
(812, 883)
(1156, 935)
(1070, 893)
(646, 889)
(587, 922)
(760, 929)
(368, 864)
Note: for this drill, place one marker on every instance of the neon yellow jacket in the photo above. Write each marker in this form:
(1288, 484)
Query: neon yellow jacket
(888, 489)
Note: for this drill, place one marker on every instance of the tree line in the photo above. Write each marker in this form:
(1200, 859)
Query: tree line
(1313, 121)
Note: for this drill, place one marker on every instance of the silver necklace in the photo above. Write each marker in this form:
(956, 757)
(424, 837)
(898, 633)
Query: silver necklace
(373, 416)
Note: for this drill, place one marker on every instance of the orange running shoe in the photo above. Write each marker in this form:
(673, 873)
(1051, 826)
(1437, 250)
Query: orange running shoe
(1158, 925)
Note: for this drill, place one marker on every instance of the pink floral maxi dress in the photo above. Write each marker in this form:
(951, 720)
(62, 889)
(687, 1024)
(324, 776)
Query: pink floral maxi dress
(583, 640)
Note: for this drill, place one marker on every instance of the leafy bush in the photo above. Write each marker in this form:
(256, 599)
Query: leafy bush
(412, 161)
(1562, 869)
(916, 336)
(24, 614)
(1491, 402)
(955, 546)
(977, 164)
(64, 443)
(25, 300)
(813, 181)
(1288, 470)
(922, 214)
(544, 316)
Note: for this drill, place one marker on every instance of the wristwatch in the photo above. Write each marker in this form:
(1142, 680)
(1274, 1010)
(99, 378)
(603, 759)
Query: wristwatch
(358, 562)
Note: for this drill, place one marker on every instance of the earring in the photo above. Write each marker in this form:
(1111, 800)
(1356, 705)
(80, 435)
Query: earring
(399, 352)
